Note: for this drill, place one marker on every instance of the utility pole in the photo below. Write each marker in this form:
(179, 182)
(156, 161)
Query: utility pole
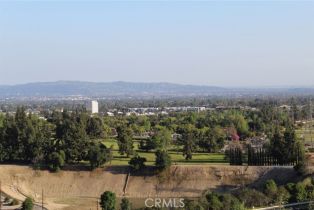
(42, 199)
(0, 196)
(97, 203)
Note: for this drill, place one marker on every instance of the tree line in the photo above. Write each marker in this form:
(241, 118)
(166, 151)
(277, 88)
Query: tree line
(63, 138)
(284, 148)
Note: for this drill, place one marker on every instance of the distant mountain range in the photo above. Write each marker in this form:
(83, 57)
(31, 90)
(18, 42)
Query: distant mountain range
(124, 89)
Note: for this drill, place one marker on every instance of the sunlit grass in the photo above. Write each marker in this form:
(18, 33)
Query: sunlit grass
(176, 157)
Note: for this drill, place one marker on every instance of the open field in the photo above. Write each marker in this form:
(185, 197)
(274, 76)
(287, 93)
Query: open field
(306, 134)
(176, 157)
(79, 190)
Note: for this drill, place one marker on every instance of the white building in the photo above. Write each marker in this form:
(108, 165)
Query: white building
(92, 106)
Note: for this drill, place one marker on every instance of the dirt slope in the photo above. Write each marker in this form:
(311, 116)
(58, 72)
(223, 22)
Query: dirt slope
(67, 189)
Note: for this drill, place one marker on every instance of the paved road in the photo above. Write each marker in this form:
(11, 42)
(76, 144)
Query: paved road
(285, 206)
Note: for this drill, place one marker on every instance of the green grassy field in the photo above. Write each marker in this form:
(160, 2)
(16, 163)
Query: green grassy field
(176, 157)
(306, 135)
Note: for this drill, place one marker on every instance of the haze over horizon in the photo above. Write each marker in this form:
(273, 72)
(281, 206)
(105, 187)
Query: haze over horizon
(162, 82)
(224, 44)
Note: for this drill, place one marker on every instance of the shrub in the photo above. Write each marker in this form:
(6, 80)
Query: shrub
(125, 204)
(213, 202)
(301, 168)
(300, 192)
(230, 202)
(27, 204)
(56, 161)
(282, 196)
(108, 200)
(163, 159)
(251, 197)
(137, 163)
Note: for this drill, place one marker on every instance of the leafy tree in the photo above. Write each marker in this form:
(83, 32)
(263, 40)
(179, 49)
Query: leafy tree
(163, 159)
(125, 204)
(240, 123)
(285, 147)
(108, 200)
(148, 144)
(256, 123)
(290, 187)
(271, 188)
(188, 135)
(162, 138)
(137, 163)
(95, 128)
(27, 204)
(283, 195)
(213, 139)
(301, 168)
(193, 205)
(213, 201)
(300, 192)
(56, 161)
(231, 202)
(42, 138)
(250, 197)
(277, 146)
(10, 139)
(125, 140)
(98, 155)
(71, 132)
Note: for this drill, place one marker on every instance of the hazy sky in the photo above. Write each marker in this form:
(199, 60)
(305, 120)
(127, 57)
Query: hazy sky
(223, 43)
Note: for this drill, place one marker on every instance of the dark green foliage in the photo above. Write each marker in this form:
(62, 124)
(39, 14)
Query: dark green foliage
(284, 149)
(148, 144)
(56, 161)
(108, 201)
(71, 133)
(231, 202)
(125, 204)
(22, 138)
(300, 192)
(137, 163)
(282, 196)
(161, 138)
(222, 202)
(193, 205)
(213, 201)
(163, 159)
(189, 134)
(250, 197)
(212, 140)
(27, 204)
(125, 140)
(235, 156)
(270, 187)
(95, 128)
(98, 154)
(260, 157)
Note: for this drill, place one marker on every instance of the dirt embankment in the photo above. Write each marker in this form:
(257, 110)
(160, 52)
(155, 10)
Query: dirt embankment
(67, 189)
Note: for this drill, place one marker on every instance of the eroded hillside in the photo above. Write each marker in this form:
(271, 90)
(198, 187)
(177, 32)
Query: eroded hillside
(63, 190)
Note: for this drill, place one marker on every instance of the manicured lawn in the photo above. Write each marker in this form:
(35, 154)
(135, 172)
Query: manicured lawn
(305, 133)
(177, 157)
